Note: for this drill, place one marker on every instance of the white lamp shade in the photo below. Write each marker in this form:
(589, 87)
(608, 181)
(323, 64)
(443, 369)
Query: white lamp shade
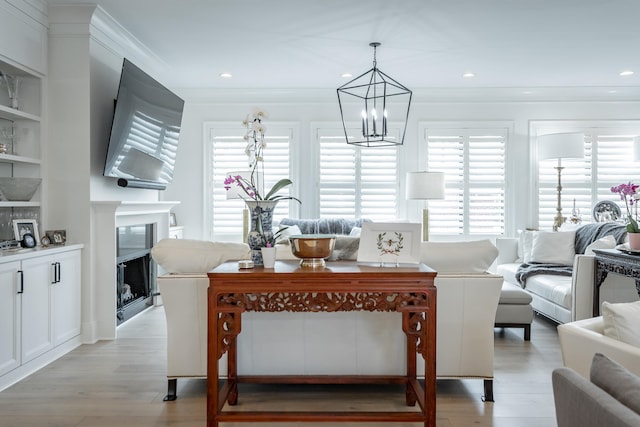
(561, 146)
(425, 185)
(636, 149)
(235, 192)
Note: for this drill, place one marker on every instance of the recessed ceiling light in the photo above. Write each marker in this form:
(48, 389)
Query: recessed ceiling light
(527, 92)
(626, 73)
(612, 91)
(346, 75)
(226, 75)
(468, 75)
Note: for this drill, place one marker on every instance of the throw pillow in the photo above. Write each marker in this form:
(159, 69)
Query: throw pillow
(607, 242)
(622, 321)
(355, 232)
(554, 247)
(616, 380)
(525, 242)
(345, 248)
(287, 230)
(459, 257)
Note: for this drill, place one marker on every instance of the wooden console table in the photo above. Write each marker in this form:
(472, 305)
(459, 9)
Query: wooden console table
(340, 286)
(613, 261)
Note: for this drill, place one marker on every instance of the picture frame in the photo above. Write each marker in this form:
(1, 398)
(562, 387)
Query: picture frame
(390, 242)
(56, 237)
(24, 226)
(173, 222)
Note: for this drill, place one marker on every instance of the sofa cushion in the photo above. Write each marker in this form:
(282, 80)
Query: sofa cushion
(606, 242)
(622, 321)
(616, 380)
(525, 243)
(553, 247)
(285, 231)
(514, 294)
(458, 257)
(556, 289)
(508, 271)
(185, 256)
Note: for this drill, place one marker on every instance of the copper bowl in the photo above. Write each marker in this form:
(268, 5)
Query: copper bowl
(312, 249)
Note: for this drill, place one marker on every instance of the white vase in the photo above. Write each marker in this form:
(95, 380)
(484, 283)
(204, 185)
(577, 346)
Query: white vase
(268, 257)
(634, 241)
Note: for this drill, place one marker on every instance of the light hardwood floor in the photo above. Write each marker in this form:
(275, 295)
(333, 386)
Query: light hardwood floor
(122, 383)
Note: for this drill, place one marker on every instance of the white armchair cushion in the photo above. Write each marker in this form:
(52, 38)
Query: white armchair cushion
(554, 247)
(184, 256)
(459, 257)
(622, 321)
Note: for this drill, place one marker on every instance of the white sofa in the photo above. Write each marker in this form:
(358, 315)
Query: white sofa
(580, 340)
(292, 343)
(562, 298)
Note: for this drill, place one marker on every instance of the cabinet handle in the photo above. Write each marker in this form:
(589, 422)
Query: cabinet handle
(58, 273)
(21, 273)
(53, 268)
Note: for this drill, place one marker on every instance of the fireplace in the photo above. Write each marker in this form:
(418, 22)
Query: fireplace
(136, 271)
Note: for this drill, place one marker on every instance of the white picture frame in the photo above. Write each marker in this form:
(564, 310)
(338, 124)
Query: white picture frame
(23, 226)
(390, 242)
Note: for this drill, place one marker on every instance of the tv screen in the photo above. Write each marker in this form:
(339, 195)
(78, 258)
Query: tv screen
(145, 131)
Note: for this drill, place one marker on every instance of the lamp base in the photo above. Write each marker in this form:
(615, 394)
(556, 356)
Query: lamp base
(425, 225)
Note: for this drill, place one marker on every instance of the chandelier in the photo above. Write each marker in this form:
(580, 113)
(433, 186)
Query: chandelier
(373, 100)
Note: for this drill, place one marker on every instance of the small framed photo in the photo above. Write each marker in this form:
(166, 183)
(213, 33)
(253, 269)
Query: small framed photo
(172, 220)
(390, 242)
(25, 226)
(56, 237)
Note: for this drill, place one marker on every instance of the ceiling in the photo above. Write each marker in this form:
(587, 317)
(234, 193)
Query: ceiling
(529, 46)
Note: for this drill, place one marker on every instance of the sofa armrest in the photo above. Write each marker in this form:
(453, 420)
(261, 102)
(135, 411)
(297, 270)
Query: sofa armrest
(507, 250)
(580, 340)
(582, 287)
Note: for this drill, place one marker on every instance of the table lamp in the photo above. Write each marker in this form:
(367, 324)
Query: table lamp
(560, 146)
(425, 185)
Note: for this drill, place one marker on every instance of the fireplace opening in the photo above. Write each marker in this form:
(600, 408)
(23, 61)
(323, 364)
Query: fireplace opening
(136, 270)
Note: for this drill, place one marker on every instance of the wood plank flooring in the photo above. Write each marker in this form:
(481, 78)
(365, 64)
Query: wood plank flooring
(122, 383)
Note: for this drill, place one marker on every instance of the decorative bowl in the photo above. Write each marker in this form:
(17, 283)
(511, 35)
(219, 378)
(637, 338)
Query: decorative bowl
(312, 249)
(18, 189)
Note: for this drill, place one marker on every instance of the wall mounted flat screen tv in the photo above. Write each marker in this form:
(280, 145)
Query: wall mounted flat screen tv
(145, 131)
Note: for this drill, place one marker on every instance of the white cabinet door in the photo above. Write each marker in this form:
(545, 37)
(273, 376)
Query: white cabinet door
(9, 316)
(36, 307)
(66, 297)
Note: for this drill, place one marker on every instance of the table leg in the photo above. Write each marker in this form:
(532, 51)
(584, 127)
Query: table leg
(411, 397)
(213, 349)
(600, 272)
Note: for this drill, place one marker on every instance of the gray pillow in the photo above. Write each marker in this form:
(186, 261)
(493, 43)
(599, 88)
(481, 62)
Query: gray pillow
(616, 380)
(346, 248)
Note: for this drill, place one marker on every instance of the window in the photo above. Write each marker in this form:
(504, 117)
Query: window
(226, 154)
(607, 162)
(356, 182)
(473, 161)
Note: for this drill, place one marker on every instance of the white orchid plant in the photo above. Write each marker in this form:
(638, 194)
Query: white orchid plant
(254, 149)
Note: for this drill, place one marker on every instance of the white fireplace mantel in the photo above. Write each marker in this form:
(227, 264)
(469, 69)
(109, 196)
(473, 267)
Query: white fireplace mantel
(107, 216)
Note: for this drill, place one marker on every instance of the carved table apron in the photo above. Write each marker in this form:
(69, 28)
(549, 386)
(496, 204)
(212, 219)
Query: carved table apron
(340, 286)
(613, 261)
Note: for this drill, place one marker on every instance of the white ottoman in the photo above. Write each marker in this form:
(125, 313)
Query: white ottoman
(514, 309)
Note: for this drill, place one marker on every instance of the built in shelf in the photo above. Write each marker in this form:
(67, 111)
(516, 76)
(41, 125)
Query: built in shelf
(13, 114)
(12, 158)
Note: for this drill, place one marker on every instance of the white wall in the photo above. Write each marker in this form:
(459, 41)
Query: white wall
(188, 185)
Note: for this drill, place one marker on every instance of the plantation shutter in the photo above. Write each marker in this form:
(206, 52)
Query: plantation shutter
(357, 182)
(227, 155)
(607, 163)
(473, 161)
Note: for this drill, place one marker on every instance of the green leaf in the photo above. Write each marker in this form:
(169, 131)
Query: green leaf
(277, 187)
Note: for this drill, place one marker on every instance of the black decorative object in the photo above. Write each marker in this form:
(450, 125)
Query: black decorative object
(374, 99)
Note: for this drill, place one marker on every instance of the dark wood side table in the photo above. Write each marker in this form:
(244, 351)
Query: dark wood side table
(613, 261)
(340, 286)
